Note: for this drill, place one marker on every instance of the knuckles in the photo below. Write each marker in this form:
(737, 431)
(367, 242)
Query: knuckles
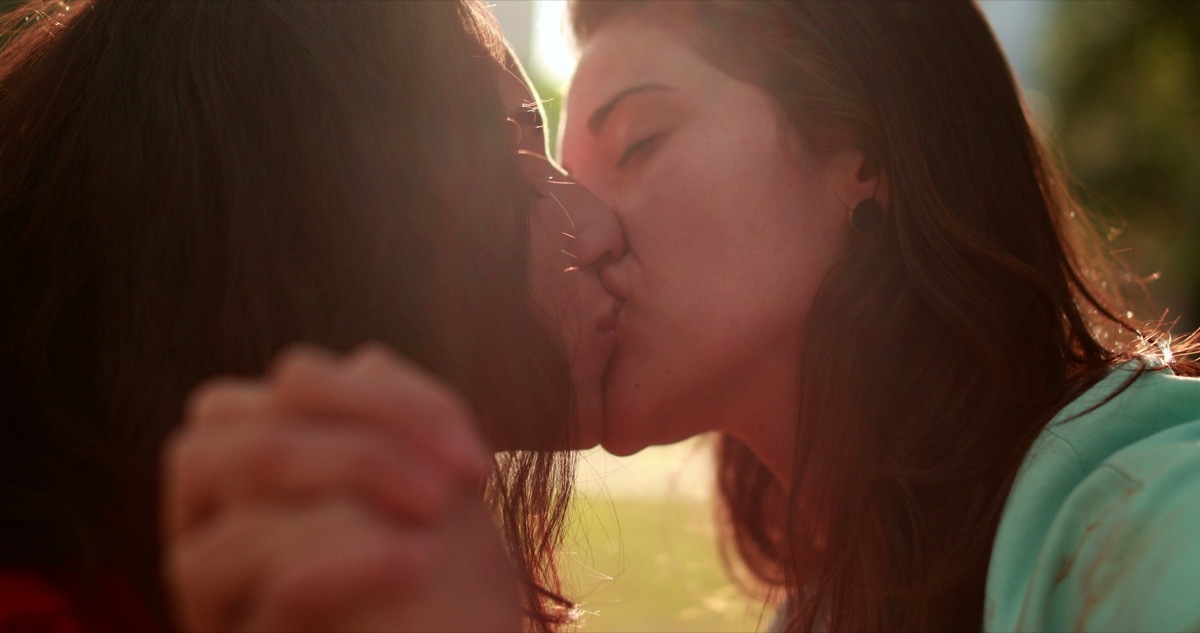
(261, 456)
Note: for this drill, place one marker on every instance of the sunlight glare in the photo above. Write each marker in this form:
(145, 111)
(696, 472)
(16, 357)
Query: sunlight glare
(552, 52)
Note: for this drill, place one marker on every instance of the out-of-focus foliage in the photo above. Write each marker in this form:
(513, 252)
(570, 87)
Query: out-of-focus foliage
(1123, 81)
(639, 563)
(9, 5)
(5, 7)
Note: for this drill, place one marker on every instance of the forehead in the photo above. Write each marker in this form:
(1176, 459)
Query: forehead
(625, 51)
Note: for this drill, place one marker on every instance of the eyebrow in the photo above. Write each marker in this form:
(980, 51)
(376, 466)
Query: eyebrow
(597, 119)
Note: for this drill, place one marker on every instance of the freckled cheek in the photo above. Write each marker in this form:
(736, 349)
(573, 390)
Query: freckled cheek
(679, 186)
(698, 209)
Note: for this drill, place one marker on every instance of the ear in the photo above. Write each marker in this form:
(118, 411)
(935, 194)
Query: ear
(860, 176)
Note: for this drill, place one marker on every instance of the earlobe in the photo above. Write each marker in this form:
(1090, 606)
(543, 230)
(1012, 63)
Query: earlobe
(867, 216)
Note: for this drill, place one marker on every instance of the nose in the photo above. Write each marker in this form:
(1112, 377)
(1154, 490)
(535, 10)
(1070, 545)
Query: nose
(598, 235)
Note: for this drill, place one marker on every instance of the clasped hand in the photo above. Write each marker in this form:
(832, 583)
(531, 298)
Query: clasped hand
(336, 493)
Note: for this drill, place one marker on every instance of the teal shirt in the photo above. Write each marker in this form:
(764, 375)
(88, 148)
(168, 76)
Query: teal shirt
(1101, 531)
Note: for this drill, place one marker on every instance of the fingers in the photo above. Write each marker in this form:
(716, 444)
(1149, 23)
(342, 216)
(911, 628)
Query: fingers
(370, 424)
(469, 585)
(375, 386)
(258, 484)
(324, 592)
(224, 401)
(206, 471)
(273, 567)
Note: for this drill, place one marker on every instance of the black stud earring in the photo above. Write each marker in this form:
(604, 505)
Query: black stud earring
(867, 216)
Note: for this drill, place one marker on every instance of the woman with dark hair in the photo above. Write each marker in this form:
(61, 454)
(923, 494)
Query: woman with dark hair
(848, 255)
(187, 188)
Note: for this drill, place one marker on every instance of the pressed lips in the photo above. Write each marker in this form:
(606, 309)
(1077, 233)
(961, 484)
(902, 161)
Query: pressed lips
(608, 322)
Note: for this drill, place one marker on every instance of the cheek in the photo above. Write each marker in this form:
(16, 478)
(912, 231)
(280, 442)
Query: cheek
(674, 211)
(711, 213)
(741, 238)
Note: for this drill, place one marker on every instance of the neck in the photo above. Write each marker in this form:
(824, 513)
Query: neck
(769, 430)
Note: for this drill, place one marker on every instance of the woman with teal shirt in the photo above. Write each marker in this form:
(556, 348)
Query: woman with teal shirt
(1101, 531)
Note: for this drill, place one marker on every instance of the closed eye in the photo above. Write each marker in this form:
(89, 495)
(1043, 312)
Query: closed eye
(640, 146)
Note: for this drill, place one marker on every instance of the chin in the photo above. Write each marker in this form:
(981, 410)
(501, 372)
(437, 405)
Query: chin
(622, 450)
(620, 441)
(630, 425)
(630, 430)
(589, 432)
(585, 440)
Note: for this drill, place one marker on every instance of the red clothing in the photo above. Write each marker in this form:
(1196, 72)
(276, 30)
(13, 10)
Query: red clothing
(32, 603)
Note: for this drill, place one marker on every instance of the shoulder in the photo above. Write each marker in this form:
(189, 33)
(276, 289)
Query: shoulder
(31, 602)
(1124, 550)
(1112, 544)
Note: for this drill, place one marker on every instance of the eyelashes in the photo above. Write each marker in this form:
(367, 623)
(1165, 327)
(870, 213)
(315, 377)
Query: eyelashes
(638, 148)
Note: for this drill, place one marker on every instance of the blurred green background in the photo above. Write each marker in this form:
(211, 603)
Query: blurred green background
(641, 550)
(642, 563)
(1122, 81)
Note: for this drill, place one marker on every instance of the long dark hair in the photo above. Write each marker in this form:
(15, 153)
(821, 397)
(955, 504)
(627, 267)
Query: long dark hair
(938, 348)
(187, 187)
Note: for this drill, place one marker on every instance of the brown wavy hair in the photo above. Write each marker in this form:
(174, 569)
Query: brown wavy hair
(188, 187)
(939, 347)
